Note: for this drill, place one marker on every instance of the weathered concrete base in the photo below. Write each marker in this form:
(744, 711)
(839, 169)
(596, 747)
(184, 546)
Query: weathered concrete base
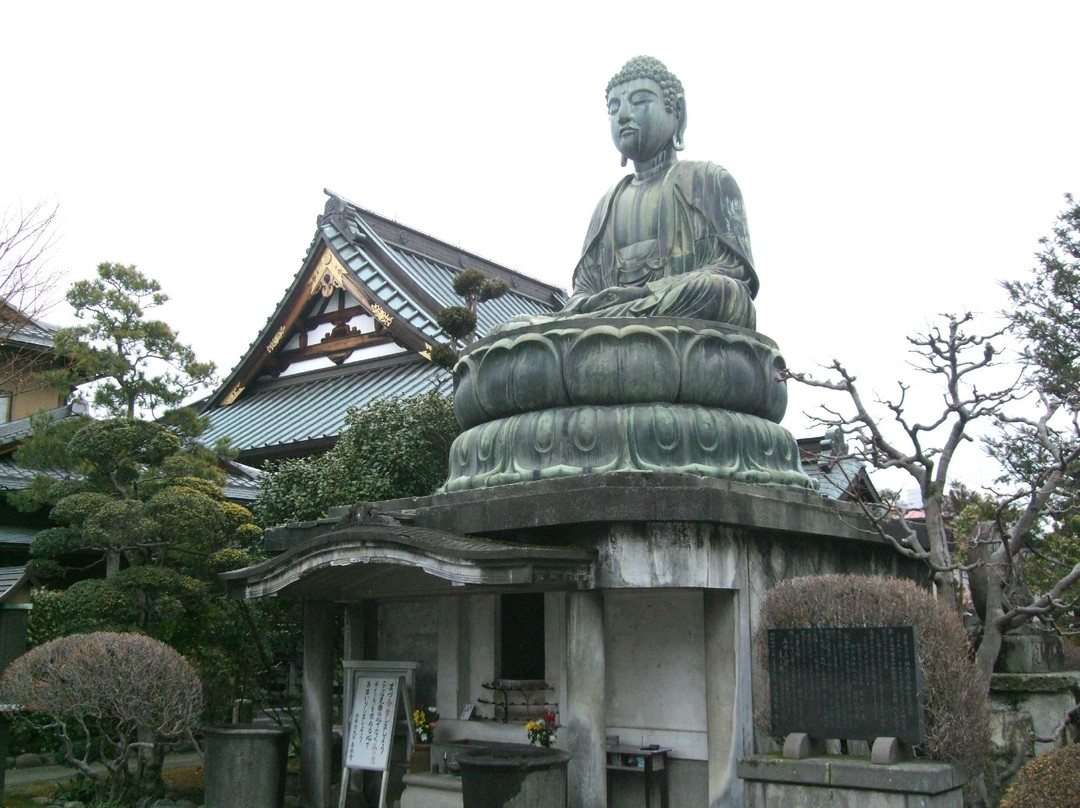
(849, 783)
(585, 683)
(1037, 700)
(1031, 653)
(800, 745)
(316, 717)
(648, 613)
(431, 791)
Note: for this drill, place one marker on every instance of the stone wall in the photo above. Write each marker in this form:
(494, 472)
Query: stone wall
(409, 630)
(1025, 707)
(773, 781)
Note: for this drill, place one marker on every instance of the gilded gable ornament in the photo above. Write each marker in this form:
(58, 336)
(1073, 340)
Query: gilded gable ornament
(382, 315)
(232, 396)
(329, 275)
(277, 339)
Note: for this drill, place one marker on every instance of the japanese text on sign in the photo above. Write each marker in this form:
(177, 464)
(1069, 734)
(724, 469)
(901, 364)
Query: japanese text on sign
(372, 723)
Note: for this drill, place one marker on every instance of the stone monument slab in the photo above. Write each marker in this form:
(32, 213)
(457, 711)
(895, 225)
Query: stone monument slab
(852, 683)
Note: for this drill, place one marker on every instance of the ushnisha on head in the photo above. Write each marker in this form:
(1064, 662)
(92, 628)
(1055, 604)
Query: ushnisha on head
(646, 67)
(647, 109)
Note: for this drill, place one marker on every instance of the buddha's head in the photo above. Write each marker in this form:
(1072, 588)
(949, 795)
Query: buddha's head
(647, 109)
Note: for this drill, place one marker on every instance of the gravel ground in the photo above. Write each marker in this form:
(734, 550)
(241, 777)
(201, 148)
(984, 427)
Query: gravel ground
(61, 774)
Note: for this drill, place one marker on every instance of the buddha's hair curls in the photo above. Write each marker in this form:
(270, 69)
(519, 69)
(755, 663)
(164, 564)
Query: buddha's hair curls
(646, 67)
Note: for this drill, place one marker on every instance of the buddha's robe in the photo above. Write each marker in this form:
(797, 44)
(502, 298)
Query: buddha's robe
(688, 250)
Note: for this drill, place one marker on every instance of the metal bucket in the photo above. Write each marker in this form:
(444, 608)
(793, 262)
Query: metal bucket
(245, 765)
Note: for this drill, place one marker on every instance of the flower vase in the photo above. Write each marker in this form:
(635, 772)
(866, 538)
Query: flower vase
(420, 762)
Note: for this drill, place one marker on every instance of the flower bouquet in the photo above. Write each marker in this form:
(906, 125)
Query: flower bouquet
(425, 719)
(542, 731)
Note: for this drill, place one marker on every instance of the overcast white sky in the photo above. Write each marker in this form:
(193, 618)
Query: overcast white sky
(897, 159)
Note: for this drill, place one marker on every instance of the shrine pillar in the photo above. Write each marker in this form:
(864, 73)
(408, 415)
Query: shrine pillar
(585, 695)
(316, 714)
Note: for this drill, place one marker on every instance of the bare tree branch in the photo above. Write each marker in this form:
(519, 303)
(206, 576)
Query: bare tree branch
(27, 238)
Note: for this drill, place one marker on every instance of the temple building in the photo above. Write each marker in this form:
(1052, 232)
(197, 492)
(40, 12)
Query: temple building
(357, 323)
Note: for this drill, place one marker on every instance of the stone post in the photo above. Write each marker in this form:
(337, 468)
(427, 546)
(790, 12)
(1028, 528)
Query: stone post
(725, 678)
(316, 720)
(452, 687)
(584, 713)
(357, 616)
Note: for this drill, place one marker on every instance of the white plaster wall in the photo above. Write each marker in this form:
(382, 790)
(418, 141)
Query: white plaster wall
(655, 658)
(688, 783)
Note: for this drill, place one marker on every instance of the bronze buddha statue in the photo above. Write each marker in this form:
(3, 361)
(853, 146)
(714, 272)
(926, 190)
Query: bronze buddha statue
(654, 364)
(669, 240)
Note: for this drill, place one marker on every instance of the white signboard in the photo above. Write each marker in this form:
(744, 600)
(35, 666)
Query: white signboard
(371, 727)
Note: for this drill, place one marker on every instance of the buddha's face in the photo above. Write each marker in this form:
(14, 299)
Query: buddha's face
(640, 125)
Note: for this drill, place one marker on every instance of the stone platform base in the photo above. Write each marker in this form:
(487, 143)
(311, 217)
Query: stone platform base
(772, 781)
(431, 791)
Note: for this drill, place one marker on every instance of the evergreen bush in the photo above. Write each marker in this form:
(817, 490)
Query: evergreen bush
(1048, 781)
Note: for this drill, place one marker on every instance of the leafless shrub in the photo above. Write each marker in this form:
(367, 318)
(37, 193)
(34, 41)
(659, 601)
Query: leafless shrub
(955, 701)
(117, 698)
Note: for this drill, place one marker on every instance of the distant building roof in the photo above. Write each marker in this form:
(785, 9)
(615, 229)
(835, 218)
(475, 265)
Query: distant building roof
(839, 476)
(12, 580)
(22, 331)
(15, 432)
(241, 482)
(241, 485)
(356, 324)
(14, 477)
(17, 535)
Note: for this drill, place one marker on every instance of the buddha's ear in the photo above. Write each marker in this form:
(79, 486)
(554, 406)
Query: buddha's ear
(677, 141)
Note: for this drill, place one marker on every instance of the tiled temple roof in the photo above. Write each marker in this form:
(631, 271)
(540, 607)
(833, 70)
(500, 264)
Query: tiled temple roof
(403, 276)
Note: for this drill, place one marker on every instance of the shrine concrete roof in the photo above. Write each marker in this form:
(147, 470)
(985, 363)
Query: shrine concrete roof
(364, 559)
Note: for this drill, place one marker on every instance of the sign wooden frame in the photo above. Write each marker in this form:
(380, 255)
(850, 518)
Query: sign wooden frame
(368, 739)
